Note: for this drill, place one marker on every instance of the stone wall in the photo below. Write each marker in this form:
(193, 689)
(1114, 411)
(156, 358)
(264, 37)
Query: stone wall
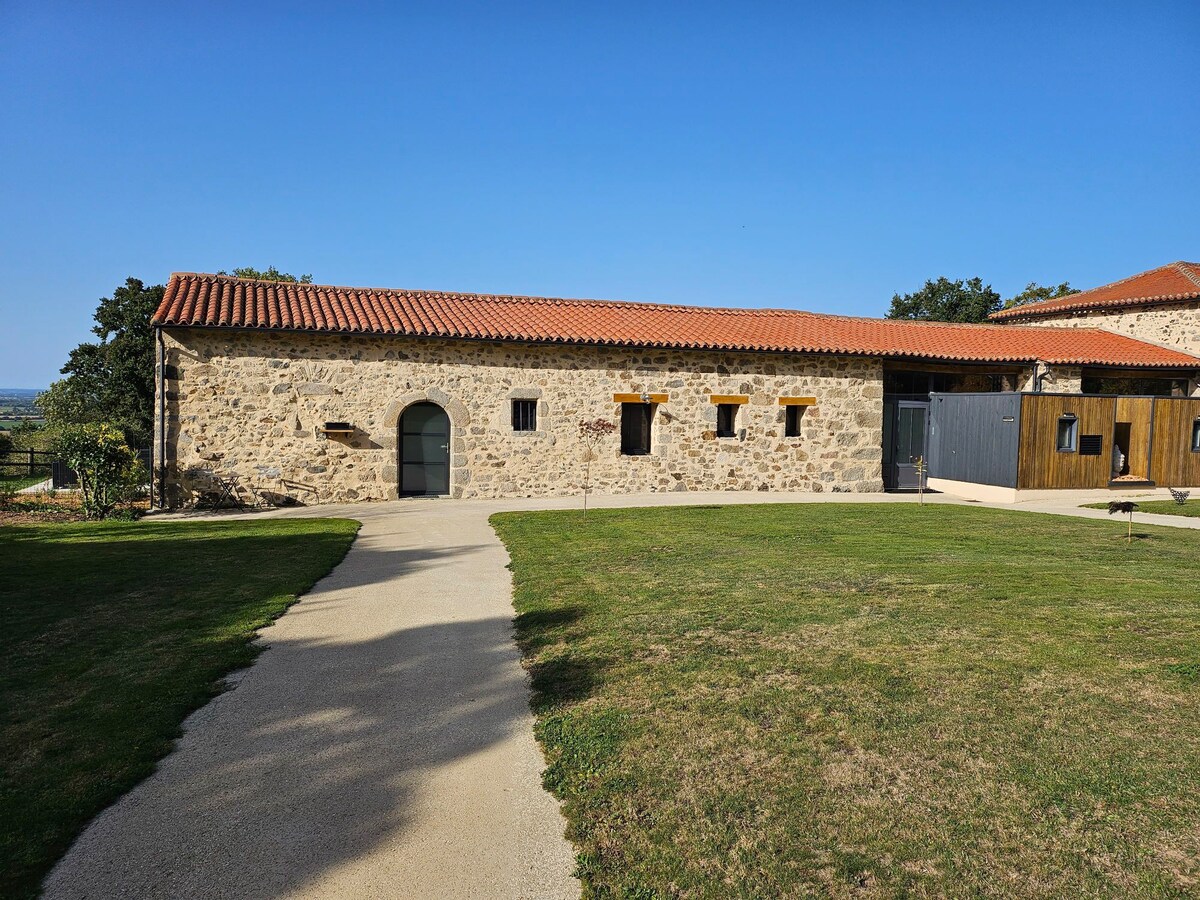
(1170, 325)
(251, 403)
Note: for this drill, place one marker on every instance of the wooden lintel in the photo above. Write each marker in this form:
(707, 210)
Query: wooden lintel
(729, 398)
(638, 398)
(797, 401)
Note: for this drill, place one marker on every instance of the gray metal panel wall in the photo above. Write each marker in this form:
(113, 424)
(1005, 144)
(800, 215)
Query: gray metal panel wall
(975, 437)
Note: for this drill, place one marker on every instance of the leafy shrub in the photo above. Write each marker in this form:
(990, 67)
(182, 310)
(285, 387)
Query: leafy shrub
(109, 471)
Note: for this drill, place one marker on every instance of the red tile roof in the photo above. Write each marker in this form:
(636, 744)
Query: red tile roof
(1166, 284)
(216, 301)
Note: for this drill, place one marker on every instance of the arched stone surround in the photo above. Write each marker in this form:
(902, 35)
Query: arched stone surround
(460, 420)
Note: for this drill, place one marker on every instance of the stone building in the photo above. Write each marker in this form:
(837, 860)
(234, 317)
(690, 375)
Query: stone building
(1161, 306)
(313, 394)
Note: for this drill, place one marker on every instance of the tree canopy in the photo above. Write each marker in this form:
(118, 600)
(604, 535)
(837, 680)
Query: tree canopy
(112, 380)
(269, 274)
(1036, 293)
(944, 300)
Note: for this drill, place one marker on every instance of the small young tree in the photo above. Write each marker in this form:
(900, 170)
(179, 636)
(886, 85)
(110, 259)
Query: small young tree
(592, 433)
(1124, 506)
(109, 472)
(920, 468)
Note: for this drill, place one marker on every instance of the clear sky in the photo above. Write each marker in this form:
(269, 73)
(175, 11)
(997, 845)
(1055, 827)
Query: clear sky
(819, 156)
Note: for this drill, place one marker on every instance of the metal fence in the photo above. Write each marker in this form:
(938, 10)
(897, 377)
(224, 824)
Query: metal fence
(22, 465)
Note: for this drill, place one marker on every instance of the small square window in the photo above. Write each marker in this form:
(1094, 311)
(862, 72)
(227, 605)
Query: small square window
(1196, 435)
(524, 415)
(791, 421)
(1068, 433)
(726, 419)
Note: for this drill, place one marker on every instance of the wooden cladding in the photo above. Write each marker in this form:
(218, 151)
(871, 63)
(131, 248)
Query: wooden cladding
(1040, 464)
(640, 398)
(1153, 433)
(797, 401)
(1134, 415)
(736, 399)
(1174, 463)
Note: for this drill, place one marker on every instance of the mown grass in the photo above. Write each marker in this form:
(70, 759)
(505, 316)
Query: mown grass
(20, 482)
(768, 701)
(111, 633)
(1160, 507)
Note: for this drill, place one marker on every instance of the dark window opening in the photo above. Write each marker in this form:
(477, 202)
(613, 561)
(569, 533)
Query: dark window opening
(1138, 387)
(1091, 445)
(726, 419)
(1068, 433)
(791, 420)
(1196, 436)
(524, 415)
(635, 428)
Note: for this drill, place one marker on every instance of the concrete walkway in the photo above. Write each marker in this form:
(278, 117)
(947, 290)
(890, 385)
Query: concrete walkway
(383, 746)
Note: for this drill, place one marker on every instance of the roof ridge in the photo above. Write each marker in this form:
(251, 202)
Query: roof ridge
(1186, 269)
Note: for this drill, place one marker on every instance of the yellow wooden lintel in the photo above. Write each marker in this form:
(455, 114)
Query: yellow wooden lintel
(797, 401)
(638, 398)
(729, 398)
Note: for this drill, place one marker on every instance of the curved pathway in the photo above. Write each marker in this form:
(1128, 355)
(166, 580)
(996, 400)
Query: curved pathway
(382, 747)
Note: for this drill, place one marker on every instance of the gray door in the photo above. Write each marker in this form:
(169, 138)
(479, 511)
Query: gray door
(424, 451)
(912, 421)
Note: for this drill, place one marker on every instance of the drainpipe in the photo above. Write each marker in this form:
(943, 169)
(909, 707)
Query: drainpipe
(1038, 378)
(162, 419)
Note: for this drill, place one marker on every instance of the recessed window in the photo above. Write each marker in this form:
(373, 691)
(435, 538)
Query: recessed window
(1196, 435)
(635, 428)
(791, 420)
(524, 415)
(1068, 433)
(726, 419)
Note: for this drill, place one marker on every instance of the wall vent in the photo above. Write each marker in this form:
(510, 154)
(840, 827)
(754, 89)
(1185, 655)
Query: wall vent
(1091, 444)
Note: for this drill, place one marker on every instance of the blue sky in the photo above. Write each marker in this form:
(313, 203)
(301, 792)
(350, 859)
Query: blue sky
(819, 156)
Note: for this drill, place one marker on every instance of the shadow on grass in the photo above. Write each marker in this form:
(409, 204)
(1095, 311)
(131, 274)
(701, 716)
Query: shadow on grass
(113, 633)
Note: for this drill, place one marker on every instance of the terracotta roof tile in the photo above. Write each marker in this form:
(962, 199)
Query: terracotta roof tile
(1166, 284)
(199, 300)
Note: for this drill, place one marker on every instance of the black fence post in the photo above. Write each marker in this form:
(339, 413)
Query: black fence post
(31, 473)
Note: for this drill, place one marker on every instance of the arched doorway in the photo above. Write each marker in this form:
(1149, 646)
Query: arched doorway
(424, 447)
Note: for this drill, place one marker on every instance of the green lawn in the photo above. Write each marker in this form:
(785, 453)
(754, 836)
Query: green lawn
(17, 482)
(111, 634)
(1160, 507)
(769, 701)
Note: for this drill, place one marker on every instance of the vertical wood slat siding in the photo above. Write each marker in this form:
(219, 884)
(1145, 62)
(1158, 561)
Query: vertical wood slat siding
(1137, 411)
(1173, 464)
(1040, 465)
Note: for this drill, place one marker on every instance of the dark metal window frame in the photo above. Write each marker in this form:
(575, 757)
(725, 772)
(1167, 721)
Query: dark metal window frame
(636, 428)
(791, 420)
(1196, 435)
(727, 419)
(524, 415)
(1074, 433)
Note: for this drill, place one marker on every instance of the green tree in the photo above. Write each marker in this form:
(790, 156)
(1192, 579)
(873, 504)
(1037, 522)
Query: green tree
(1036, 293)
(112, 380)
(269, 274)
(947, 301)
